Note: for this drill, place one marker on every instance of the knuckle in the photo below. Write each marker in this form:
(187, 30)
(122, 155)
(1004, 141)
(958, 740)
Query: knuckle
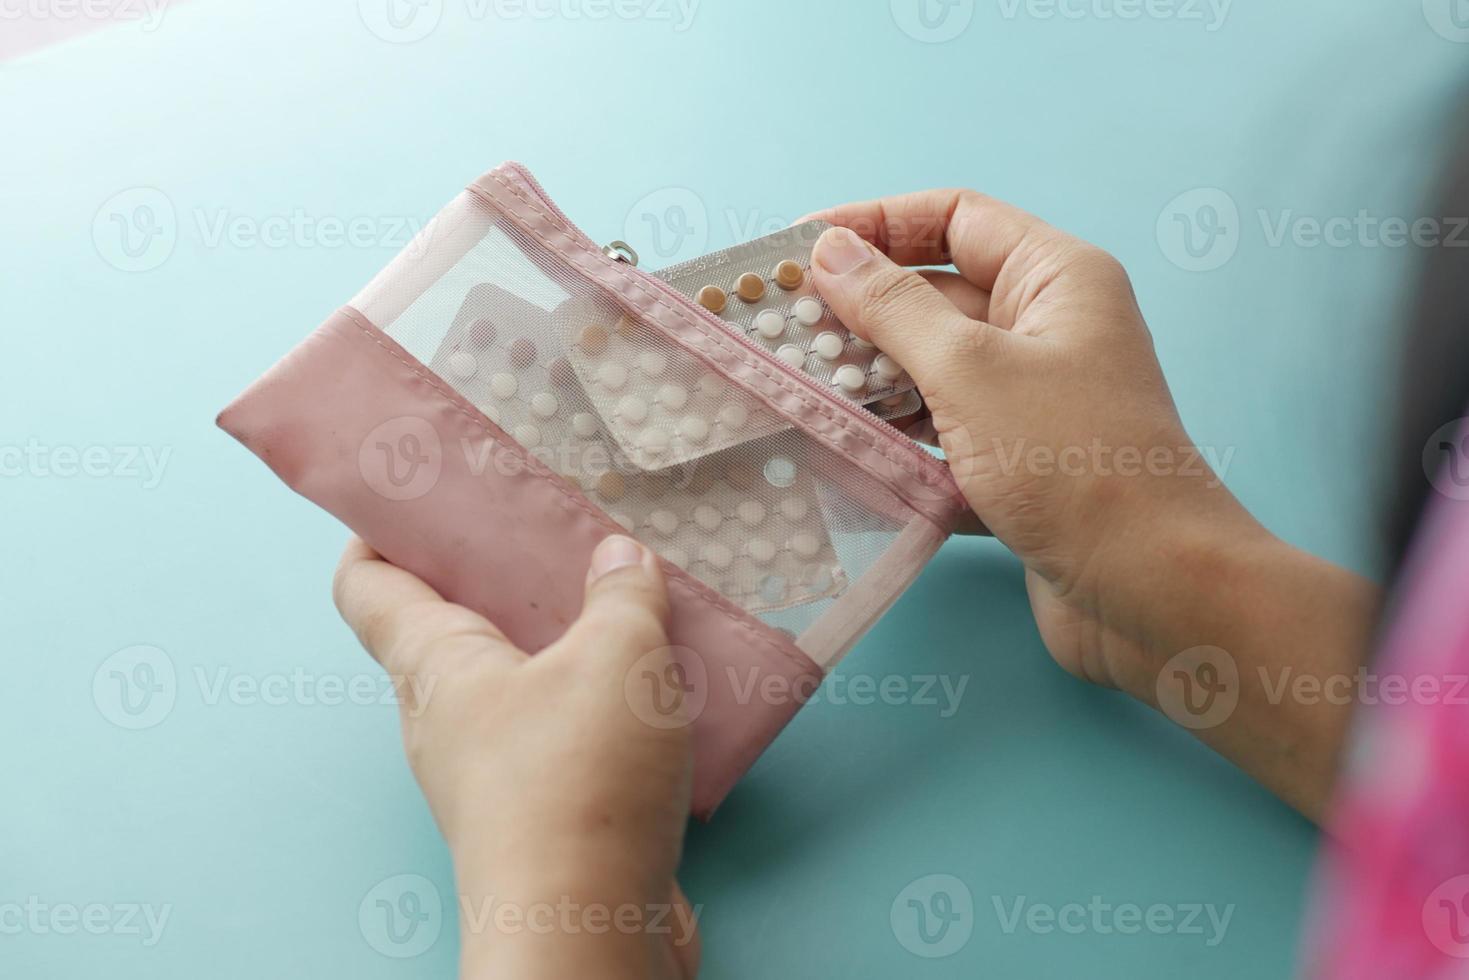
(1099, 265)
(636, 623)
(890, 294)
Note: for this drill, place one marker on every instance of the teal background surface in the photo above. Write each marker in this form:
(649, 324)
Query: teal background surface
(267, 825)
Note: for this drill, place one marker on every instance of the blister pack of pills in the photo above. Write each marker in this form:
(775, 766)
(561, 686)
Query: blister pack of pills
(748, 521)
(763, 289)
(762, 292)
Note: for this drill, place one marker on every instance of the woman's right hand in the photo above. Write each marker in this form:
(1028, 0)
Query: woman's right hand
(1047, 398)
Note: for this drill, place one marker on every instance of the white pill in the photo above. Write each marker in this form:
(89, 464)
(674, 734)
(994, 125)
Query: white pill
(654, 441)
(792, 355)
(504, 385)
(545, 405)
(752, 512)
(712, 385)
(612, 375)
(652, 363)
(795, 508)
(887, 368)
(864, 344)
(632, 410)
(584, 424)
(805, 545)
(718, 555)
(829, 346)
(849, 378)
(807, 311)
(708, 517)
(624, 520)
(694, 429)
(673, 398)
(733, 416)
(491, 412)
(770, 324)
(762, 551)
(676, 556)
(665, 522)
(528, 436)
(463, 364)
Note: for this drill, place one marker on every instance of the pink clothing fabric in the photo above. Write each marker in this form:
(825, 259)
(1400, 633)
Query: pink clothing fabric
(1394, 891)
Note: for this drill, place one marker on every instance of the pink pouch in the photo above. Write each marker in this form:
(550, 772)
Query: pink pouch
(456, 416)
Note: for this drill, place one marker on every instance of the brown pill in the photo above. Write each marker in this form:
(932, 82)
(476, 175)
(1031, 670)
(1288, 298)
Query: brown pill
(522, 353)
(593, 339)
(611, 486)
(751, 288)
(789, 275)
(713, 299)
(483, 333)
(562, 376)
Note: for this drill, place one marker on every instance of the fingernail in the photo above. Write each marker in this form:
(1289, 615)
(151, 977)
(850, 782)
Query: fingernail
(615, 553)
(841, 250)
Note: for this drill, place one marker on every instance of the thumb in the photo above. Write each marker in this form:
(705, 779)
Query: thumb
(626, 611)
(899, 311)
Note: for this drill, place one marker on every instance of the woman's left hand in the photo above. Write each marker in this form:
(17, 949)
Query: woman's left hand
(565, 813)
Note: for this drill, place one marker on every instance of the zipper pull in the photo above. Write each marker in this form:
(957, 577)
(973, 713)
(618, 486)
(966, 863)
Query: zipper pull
(621, 252)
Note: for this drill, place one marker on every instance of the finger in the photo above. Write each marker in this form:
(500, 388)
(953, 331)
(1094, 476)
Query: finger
(967, 298)
(687, 945)
(626, 611)
(398, 617)
(977, 233)
(901, 312)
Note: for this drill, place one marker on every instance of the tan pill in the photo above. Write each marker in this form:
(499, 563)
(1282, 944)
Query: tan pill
(611, 486)
(789, 275)
(593, 339)
(751, 288)
(713, 299)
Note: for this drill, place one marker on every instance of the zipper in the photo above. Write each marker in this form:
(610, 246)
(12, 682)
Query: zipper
(889, 433)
